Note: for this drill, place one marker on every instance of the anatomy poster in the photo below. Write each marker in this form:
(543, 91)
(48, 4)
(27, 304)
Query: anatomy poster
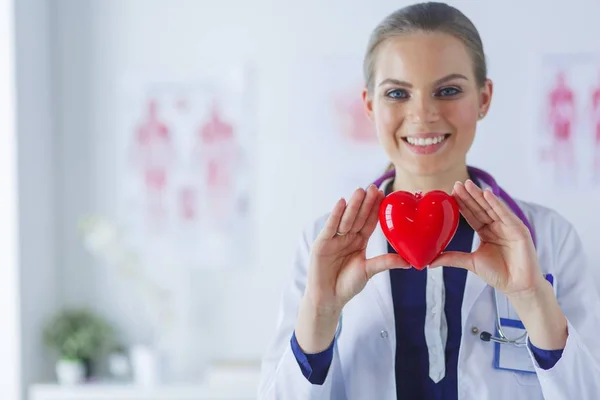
(335, 124)
(568, 105)
(185, 167)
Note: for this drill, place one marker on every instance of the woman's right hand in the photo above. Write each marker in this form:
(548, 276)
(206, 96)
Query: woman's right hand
(339, 268)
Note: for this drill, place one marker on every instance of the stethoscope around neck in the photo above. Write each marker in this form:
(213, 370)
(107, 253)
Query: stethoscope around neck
(480, 175)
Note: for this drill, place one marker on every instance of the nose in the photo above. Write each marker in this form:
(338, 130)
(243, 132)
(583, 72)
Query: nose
(422, 109)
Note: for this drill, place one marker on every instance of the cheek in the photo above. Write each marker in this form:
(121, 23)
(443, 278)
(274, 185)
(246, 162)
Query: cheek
(462, 115)
(388, 118)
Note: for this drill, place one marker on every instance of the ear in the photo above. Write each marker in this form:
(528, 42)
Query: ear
(485, 96)
(368, 103)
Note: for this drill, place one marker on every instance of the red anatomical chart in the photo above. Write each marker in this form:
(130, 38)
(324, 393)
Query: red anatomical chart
(217, 150)
(353, 124)
(153, 160)
(561, 118)
(184, 169)
(568, 143)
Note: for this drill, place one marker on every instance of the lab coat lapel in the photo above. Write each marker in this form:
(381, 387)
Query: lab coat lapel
(473, 287)
(381, 281)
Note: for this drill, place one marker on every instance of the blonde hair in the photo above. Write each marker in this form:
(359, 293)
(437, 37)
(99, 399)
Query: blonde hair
(426, 17)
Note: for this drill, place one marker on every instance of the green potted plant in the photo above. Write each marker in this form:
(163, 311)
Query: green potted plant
(80, 337)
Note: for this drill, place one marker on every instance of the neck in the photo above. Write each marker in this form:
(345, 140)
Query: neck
(411, 182)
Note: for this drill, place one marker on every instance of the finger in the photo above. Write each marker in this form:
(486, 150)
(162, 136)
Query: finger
(365, 209)
(468, 214)
(333, 221)
(385, 262)
(373, 217)
(504, 213)
(456, 259)
(471, 204)
(477, 194)
(351, 211)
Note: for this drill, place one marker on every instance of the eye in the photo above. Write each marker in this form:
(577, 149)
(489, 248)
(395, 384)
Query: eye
(397, 94)
(448, 91)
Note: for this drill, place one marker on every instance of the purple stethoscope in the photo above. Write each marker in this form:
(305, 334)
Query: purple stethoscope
(478, 174)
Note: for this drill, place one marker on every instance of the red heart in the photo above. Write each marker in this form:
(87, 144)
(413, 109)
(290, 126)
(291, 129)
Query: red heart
(419, 227)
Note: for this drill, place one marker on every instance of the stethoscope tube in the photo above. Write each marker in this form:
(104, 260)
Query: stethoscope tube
(487, 337)
(503, 339)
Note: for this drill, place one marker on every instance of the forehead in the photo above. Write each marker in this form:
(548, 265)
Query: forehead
(422, 58)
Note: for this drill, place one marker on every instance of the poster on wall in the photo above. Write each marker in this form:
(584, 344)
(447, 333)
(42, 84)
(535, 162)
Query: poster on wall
(185, 168)
(568, 121)
(341, 135)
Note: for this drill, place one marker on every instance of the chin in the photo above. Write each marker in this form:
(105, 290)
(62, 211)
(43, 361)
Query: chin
(426, 169)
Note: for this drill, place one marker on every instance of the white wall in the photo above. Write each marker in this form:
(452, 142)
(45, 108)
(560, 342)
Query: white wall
(10, 350)
(37, 183)
(98, 41)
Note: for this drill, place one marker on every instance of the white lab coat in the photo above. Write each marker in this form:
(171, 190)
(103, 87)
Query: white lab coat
(364, 352)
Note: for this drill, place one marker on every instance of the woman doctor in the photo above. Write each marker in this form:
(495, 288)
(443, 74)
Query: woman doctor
(358, 323)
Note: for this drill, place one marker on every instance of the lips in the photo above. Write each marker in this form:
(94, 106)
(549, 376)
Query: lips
(426, 143)
(420, 141)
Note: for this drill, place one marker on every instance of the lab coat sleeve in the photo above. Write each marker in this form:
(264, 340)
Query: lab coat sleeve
(281, 376)
(577, 374)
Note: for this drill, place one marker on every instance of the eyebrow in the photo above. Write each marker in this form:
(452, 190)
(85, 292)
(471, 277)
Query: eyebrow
(436, 83)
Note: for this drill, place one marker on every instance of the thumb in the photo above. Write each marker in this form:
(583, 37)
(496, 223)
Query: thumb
(385, 262)
(456, 259)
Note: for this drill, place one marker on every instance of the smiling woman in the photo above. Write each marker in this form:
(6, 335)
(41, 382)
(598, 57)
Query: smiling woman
(358, 322)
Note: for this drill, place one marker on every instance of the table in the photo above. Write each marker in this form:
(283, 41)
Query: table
(225, 383)
(132, 392)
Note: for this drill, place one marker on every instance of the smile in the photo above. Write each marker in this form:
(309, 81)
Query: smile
(425, 141)
(426, 145)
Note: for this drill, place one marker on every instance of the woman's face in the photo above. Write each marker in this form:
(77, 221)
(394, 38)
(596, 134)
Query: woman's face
(425, 102)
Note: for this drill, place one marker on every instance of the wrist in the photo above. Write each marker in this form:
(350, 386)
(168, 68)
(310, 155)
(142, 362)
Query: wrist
(535, 295)
(315, 326)
(541, 315)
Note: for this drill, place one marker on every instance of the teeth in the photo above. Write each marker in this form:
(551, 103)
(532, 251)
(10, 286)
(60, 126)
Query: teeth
(425, 142)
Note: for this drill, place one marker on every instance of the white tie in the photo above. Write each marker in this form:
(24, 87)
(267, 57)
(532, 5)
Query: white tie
(436, 327)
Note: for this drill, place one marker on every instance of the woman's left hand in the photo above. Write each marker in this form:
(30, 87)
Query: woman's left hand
(506, 258)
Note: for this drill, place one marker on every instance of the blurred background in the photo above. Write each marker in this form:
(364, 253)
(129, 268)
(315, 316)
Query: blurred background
(158, 160)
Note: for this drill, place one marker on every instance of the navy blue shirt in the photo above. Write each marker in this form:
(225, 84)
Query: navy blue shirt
(410, 309)
(412, 359)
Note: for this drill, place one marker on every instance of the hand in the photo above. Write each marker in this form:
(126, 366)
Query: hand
(506, 258)
(338, 268)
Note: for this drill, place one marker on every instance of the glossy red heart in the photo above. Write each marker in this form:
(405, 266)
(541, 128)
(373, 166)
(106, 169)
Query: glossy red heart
(419, 227)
